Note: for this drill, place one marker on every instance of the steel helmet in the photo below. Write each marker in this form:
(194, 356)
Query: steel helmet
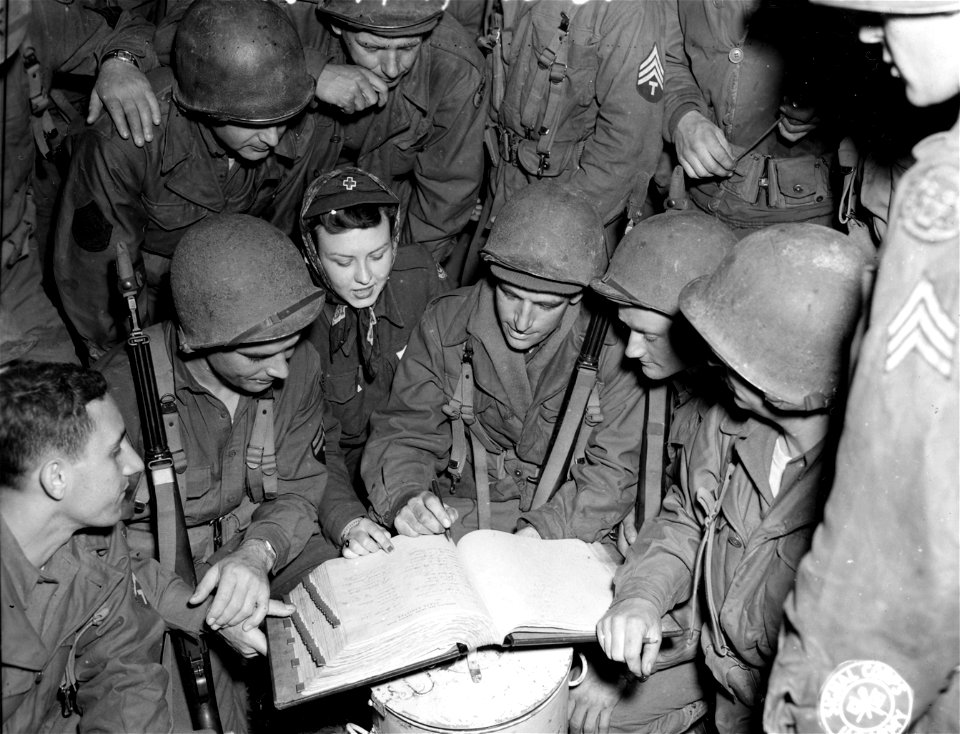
(779, 310)
(237, 279)
(896, 7)
(388, 18)
(240, 61)
(548, 232)
(662, 254)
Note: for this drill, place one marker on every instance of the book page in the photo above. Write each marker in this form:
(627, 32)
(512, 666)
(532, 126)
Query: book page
(391, 611)
(528, 583)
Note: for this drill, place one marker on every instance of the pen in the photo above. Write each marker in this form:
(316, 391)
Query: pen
(435, 488)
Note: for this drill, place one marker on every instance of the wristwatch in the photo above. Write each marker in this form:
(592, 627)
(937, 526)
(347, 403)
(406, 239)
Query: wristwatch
(122, 55)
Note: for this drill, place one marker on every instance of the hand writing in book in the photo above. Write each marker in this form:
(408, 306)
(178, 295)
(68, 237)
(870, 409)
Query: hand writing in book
(365, 537)
(241, 584)
(630, 633)
(425, 514)
(253, 642)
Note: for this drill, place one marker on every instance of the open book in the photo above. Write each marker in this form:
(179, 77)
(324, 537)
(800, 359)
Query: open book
(375, 617)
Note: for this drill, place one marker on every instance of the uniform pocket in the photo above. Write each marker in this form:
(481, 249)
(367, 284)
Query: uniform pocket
(797, 182)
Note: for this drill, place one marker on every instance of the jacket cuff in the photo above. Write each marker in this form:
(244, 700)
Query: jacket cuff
(277, 540)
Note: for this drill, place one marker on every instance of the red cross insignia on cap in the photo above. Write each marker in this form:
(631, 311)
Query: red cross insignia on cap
(349, 183)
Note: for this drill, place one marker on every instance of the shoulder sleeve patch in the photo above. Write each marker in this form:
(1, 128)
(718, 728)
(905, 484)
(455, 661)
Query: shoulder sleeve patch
(862, 696)
(90, 228)
(928, 210)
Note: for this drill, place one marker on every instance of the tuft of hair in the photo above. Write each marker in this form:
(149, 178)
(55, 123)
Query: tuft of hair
(43, 408)
(361, 216)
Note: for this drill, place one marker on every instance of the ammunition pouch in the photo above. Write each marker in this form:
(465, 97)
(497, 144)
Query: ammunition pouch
(781, 183)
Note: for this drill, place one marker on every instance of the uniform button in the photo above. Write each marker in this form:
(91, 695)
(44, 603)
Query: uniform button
(231, 453)
(735, 55)
(714, 205)
(38, 678)
(735, 541)
(798, 188)
(518, 472)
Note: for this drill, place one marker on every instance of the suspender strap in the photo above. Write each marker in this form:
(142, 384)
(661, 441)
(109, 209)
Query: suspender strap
(481, 479)
(652, 451)
(592, 417)
(261, 455)
(460, 411)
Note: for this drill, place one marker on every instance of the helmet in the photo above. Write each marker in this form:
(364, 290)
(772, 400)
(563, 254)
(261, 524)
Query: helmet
(340, 189)
(388, 18)
(779, 311)
(662, 254)
(896, 7)
(240, 61)
(238, 280)
(547, 232)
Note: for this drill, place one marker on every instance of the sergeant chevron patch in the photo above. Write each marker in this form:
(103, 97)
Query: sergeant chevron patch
(650, 76)
(922, 326)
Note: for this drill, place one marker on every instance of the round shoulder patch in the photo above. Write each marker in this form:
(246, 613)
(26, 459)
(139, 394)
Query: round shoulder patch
(928, 209)
(862, 696)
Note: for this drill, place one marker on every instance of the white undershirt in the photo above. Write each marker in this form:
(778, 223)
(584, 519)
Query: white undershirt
(778, 465)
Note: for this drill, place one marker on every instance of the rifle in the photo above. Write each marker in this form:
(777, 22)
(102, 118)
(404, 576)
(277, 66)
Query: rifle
(193, 658)
(571, 410)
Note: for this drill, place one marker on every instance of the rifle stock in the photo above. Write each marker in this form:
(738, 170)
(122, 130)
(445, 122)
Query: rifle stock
(193, 658)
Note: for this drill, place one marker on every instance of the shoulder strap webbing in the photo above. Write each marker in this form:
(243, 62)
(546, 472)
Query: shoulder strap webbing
(163, 370)
(261, 455)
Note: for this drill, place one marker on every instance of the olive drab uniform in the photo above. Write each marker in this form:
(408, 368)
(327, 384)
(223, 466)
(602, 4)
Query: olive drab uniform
(78, 634)
(513, 408)
(232, 490)
(41, 39)
(732, 62)
(577, 94)
(872, 630)
(426, 143)
(723, 534)
(148, 197)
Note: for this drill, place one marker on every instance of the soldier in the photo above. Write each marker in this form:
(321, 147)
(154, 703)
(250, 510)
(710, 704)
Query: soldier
(871, 640)
(376, 294)
(488, 366)
(408, 86)
(79, 639)
(651, 265)
(232, 139)
(241, 379)
(39, 41)
(751, 110)
(779, 312)
(578, 95)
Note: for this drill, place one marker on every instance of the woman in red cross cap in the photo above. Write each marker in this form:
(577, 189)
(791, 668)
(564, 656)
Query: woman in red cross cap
(376, 293)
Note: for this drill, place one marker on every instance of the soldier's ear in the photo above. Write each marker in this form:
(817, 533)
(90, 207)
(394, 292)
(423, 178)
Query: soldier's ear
(574, 300)
(54, 477)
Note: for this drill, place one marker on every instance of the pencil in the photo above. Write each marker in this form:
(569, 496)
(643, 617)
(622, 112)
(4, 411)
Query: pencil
(435, 488)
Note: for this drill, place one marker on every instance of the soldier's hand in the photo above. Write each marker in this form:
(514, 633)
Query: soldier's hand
(626, 533)
(528, 531)
(351, 88)
(796, 121)
(425, 514)
(364, 538)
(242, 587)
(630, 633)
(590, 704)
(702, 148)
(126, 93)
(253, 642)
